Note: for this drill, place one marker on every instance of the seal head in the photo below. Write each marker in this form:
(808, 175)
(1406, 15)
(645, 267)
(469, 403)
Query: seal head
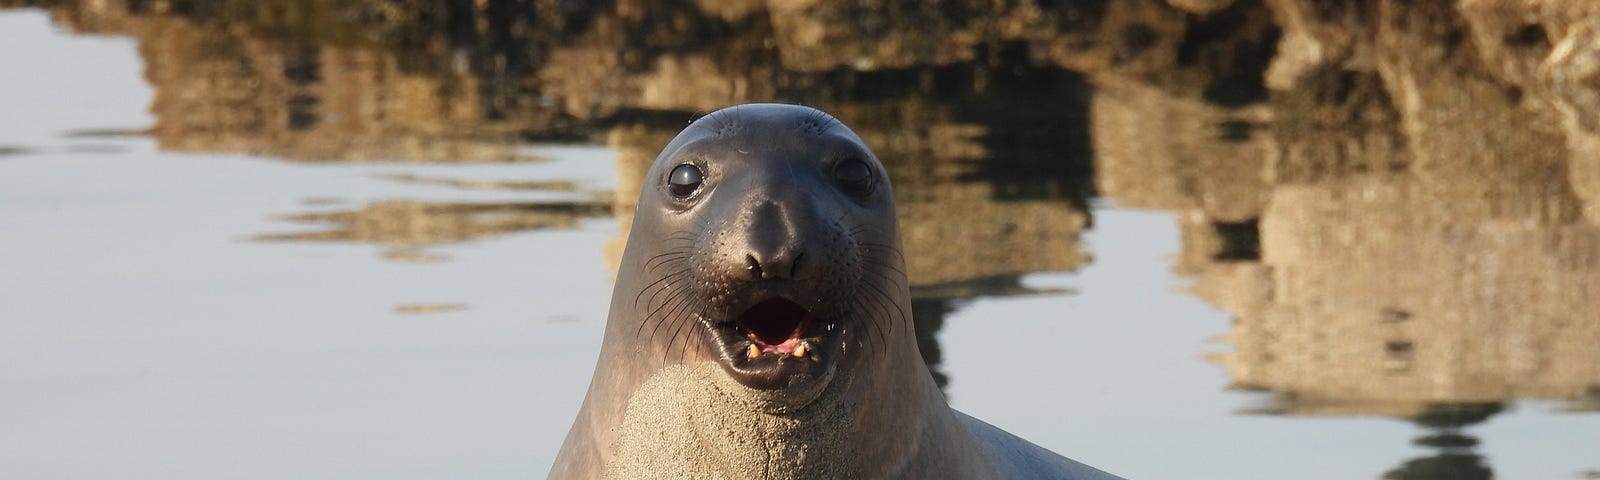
(773, 222)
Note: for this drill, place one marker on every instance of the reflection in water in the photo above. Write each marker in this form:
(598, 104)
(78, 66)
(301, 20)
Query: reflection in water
(1414, 237)
(548, 185)
(1399, 204)
(928, 315)
(414, 256)
(407, 223)
(1454, 460)
(414, 308)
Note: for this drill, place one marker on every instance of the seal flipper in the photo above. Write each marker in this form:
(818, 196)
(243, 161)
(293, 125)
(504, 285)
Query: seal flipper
(1015, 458)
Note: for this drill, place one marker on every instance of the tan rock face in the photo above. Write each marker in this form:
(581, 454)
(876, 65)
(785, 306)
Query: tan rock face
(820, 35)
(1570, 78)
(1316, 35)
(1199, 6)
(1537, 56)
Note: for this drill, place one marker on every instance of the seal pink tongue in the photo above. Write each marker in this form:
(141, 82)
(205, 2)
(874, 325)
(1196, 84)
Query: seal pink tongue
(787, 346)
(775, 325)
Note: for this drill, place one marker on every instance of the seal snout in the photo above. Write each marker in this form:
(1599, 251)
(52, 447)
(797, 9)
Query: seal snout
(774, 267)
(775, 242)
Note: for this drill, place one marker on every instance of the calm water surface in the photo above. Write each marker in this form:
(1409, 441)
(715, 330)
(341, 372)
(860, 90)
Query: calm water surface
(203, 287)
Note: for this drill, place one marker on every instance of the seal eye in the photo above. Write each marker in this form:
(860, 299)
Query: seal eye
(684, 180)
(854, 175)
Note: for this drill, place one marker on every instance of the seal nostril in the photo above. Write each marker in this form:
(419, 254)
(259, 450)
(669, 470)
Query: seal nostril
(753, 266)
(794, 267)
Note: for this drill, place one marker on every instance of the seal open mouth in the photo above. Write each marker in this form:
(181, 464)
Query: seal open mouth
(773, 342)
(776, 326)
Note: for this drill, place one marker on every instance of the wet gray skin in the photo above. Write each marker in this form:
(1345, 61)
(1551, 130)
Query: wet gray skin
(760, 325)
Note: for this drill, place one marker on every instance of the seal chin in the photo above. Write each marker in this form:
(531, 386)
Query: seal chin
(777, 344)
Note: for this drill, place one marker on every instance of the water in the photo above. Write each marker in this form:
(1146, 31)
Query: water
(203, 285)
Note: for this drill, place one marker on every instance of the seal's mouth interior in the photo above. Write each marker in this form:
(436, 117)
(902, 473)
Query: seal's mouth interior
(776, 342)
(775, 325)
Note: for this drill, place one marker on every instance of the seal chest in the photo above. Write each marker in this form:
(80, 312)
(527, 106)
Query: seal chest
(696, 422)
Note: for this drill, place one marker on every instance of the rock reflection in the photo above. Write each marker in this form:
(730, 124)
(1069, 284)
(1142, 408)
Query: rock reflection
(313, 82)
(1403, 228)
(547, 185)
(1398, 202)
(407, 223)
(1392, 241)
(1444, 466)
(1454, 459)
(426, 308)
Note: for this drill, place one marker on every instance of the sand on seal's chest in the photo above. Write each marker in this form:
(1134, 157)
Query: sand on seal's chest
(697, 422)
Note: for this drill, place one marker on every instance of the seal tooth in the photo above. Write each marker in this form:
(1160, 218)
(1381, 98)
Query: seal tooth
(800, 351)
(754, 351)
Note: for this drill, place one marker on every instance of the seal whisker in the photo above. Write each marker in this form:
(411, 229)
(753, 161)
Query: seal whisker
(683, 352)
(695, 123)
(678, 263)
(856, 309)
(889, 314)
(679, 322)
(670, 292)
(869, 322)
(679, 299)
(663, 279)
(669, 255)
(653, 332)
(708, 128)
(882, 248)
(832, 120)
(892, 267)
(886, 248)
(679, 243)
(859, 228)
(669, 289)
(672, 295)
(850, 232)
(889, 281)
(907, 320)
(717, 117)
(887, 289)
(676, 318)
(885, 295)
(676, 260)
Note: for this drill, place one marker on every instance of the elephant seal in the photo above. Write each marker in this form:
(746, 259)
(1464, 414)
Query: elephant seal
(760, 326)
